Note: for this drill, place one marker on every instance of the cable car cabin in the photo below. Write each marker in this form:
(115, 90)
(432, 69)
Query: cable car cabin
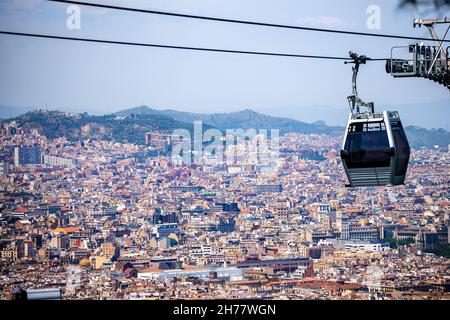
(375, 150)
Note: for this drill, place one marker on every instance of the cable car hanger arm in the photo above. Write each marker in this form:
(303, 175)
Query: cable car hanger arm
(354, 100)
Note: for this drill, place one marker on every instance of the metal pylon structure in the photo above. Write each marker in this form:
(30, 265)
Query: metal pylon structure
(429, 62)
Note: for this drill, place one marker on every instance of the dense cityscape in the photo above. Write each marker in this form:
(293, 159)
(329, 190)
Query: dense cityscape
(97, 219)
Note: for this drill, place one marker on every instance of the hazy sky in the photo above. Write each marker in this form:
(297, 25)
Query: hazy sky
(55, 73)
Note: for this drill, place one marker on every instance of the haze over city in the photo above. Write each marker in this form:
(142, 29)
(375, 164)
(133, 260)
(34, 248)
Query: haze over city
(101, 78)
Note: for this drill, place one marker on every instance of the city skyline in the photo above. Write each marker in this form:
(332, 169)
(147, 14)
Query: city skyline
(96, 219)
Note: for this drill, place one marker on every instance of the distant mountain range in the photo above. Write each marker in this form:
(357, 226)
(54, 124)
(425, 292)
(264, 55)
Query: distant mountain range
(76, 126)
(130, 125)
(418, 137)
(242, 119)
(7, 112)
(428, 115)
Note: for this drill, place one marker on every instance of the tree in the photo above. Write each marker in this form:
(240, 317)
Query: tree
(395, 243)
(434, 5)
(440, 249)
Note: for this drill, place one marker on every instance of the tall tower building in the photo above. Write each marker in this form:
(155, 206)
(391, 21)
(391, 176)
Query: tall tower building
(27, 155)
(4, 168)
(343, 224)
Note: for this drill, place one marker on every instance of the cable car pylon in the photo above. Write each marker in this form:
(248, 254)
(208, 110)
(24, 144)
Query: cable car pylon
(429, 62)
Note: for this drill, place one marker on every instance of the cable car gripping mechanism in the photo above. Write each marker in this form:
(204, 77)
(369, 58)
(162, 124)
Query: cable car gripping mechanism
(354, 101)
